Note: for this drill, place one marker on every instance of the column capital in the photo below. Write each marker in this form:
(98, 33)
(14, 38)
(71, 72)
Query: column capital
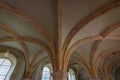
(60, 75)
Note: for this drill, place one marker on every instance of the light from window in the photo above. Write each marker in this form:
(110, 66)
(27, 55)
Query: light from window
(5, 65)
(71, 75)
(46, 74)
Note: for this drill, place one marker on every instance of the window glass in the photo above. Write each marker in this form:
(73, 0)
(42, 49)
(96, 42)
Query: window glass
(46, 73)
(5, 65)
(71, 75)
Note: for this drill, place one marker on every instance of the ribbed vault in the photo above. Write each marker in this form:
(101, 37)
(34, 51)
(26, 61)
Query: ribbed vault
(83, 33)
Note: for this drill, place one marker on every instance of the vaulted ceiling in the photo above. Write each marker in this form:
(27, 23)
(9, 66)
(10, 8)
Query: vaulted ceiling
(89, 30)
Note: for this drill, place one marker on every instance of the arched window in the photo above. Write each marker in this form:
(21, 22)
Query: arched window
(71, 75)
(5, 65)
(46, 74)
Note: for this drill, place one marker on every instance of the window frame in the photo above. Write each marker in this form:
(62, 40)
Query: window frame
(9, 68)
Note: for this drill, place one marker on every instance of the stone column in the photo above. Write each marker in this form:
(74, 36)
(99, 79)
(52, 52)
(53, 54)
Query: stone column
(78, 75)
(59, 75)
(27, 76)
